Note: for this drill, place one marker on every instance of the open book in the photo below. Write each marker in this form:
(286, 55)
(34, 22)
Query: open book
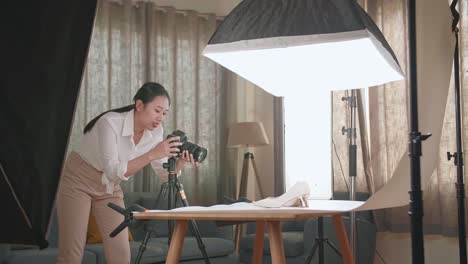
(296, 196)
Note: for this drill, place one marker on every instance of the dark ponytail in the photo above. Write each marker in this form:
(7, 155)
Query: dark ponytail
(146, 94)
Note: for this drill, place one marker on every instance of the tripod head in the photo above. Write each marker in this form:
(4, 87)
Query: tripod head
(170, 165)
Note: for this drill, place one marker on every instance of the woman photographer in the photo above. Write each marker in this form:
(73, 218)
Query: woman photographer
(115, 145)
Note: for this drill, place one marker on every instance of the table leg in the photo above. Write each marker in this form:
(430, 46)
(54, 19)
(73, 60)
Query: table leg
(276, 242)
(258, 245)
(343, 239)
(177, 241)
(237, 237)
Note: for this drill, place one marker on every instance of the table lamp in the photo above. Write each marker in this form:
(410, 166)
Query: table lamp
(247, 134)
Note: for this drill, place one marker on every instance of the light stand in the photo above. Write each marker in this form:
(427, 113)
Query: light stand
(352, 153)
(458, 156)
(351, 134)
(318, 244)
(416, 210)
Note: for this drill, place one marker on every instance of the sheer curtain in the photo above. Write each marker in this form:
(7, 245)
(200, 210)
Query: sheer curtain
(389, 133)
(137, 42)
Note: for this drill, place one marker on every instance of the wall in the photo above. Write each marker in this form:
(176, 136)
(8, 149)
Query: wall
(219, 7)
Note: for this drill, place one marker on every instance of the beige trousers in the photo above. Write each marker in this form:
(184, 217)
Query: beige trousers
(80, 191)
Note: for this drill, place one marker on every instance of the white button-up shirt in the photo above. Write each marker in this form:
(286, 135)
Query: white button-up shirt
(109, 145)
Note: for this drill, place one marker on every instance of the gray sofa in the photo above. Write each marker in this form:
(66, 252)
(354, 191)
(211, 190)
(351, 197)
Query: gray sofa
(217, 240)
(299, 238)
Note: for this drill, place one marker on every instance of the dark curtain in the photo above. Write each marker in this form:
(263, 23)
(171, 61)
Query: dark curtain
(43, 51)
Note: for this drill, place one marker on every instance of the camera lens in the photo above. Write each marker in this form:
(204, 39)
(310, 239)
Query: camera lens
(199, 153)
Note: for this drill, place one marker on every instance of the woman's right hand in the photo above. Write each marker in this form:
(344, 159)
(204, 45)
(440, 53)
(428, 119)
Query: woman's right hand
(166, 148)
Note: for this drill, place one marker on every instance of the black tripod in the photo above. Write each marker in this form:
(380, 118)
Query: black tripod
(170, 188)
(319, 244)
(173, 186)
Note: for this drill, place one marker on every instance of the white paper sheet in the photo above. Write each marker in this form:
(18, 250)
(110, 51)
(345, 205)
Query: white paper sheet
(314, 205)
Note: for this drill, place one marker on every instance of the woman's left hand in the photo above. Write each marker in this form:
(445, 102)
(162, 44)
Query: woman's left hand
(184, 160)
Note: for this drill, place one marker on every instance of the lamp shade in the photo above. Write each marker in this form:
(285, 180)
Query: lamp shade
(285, 46)
(247, 134)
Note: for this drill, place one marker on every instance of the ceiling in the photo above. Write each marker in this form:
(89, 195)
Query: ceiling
(219, 7)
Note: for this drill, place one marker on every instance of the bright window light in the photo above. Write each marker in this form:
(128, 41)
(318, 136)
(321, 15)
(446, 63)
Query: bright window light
(308, 141)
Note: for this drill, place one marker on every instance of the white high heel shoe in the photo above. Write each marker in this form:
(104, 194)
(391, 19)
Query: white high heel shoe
(296, 196)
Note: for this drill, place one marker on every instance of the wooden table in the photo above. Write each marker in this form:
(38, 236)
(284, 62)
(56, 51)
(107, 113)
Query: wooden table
(269, 217)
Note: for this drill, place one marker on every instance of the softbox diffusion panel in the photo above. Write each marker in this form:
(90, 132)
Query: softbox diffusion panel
(43, 52)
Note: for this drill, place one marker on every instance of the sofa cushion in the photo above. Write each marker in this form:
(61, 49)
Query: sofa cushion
(44, 256)
(293, 225)
(154, 252)
(215, 247)
(159, 228)
(4, 252)
(157, 248)
(293, 243)
(209, 228)
(230, 259)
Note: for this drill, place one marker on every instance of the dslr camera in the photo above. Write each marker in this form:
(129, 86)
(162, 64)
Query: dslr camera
(199, 153)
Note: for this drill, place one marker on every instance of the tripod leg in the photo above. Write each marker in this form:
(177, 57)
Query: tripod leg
(333, 247)
(193, 225)
(142, 247)
(201, 246)
(320, 241)
(244, 176)
(262, 194)
(343, 239)
(312, 252)
(144, 243)
(171, 205)
(242, 193)
(162, 192)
